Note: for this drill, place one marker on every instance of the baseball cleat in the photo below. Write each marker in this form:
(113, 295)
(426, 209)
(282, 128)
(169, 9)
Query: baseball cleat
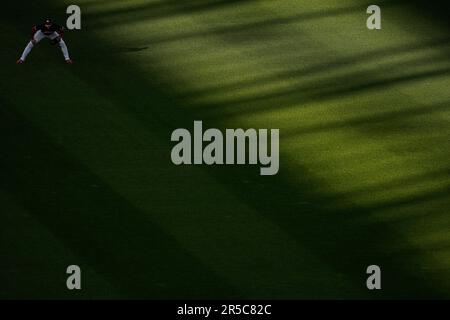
(69, 61)
(20, 61)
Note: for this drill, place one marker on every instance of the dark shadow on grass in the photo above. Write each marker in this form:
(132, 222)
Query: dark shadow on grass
(329, 87)
(129, 49)
(159, 10)
(437, 11)
(97, 224)
(323, 68)
(170, 9)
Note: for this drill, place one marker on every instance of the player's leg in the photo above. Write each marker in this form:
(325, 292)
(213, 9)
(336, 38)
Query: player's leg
(62, 45)
(64, 50)
(38, 36)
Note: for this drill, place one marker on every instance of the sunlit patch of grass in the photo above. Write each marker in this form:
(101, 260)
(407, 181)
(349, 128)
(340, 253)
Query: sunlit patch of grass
(332, 116)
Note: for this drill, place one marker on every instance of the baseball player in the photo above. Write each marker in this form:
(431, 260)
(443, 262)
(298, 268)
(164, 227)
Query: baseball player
(50, 31)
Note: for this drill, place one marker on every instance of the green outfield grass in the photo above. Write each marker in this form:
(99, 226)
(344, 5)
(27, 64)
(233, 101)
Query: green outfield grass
(86, 176)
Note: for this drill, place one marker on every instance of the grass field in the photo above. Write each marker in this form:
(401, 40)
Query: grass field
(86, 176)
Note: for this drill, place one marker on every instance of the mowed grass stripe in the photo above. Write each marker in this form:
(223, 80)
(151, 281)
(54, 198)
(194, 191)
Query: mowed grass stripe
(94, 221)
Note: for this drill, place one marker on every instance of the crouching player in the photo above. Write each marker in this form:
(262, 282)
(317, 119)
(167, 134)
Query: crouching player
(50, 31)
